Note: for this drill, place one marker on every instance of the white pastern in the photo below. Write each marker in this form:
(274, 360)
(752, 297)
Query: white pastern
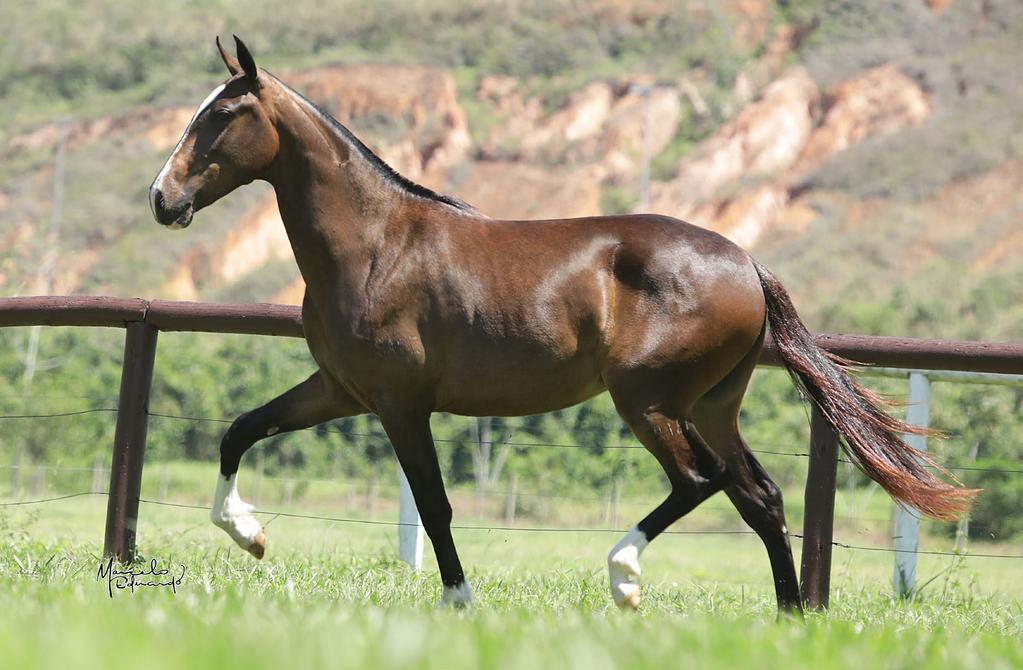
(623, 568)
(234, 515)
(458, 597)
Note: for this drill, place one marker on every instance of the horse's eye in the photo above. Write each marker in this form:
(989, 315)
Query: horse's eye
(223, 115)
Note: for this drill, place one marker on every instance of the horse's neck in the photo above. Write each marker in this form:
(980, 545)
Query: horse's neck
(336, 209)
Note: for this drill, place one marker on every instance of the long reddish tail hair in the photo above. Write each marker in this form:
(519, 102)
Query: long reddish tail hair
(871, 436)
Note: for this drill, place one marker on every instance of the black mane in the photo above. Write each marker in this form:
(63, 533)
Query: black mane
(392, 175)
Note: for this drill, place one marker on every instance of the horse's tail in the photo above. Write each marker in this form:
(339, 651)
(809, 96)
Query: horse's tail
(871, 435)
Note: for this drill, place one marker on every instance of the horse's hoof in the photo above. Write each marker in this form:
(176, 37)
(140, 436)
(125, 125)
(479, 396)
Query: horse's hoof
(457, 597)
(627, 594)
(258, 546)
(791, 612)
(623, 567)
(628, 601)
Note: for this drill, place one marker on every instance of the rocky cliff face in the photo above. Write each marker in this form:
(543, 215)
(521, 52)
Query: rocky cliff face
(742, 180)
(532, 162)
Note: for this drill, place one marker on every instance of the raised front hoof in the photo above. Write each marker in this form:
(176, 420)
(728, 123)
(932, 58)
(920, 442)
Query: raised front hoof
(258, 546)
(241, 528)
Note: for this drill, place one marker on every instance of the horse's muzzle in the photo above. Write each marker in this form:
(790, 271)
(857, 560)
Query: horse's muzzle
(174, 218)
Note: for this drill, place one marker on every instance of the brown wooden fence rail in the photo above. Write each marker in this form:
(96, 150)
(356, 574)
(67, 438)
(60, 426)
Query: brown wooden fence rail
(143, 319)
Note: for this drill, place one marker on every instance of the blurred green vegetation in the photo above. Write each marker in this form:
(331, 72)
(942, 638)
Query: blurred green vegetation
(997, 512)
(59, 59)
(200, 377)
(966, 59)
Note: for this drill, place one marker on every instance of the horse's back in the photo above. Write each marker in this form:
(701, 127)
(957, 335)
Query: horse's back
(568, 301)
(655, 261)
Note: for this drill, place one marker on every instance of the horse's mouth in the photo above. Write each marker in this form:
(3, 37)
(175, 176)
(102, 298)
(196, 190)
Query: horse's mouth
(183, 219)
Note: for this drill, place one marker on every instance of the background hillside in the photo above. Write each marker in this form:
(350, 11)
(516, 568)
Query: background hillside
(870, 152)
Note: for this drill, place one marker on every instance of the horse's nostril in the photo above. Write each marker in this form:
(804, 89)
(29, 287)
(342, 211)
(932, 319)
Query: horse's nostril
(158, 200)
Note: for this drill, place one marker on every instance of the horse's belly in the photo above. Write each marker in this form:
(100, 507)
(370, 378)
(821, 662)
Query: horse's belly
(517, 387)
(522, 401)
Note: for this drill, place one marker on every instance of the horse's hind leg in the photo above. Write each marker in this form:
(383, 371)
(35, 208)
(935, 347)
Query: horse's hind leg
(755, 496)
(314, 401)
(694, 472)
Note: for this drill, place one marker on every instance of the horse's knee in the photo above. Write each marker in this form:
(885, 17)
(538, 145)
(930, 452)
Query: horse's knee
(239, 431)
(237, 439)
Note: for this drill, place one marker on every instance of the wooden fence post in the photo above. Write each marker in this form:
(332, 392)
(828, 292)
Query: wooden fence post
(130, 440)
(819, 513)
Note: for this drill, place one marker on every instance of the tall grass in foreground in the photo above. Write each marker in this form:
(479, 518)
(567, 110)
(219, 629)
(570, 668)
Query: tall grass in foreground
(332, 595)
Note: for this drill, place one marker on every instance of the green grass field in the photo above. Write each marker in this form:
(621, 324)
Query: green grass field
(332, 594)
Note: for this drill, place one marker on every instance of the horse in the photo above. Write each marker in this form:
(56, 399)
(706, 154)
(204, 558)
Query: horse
(417, 303)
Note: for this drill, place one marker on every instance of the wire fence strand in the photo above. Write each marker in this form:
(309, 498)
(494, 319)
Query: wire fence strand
(40, 501)
(550, 445)
(508, 442)
(533, 529)
(525, 529)
(490, 493)
(53, 415)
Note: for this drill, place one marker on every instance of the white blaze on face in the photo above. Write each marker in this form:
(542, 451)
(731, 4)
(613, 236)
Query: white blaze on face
(623, 568)
(232, 513)
(158, 182)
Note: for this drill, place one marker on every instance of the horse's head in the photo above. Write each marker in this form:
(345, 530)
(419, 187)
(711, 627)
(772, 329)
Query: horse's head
(230, 141)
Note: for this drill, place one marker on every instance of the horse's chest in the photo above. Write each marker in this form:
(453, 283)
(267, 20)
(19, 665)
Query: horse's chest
(358, 340)
(373, 347)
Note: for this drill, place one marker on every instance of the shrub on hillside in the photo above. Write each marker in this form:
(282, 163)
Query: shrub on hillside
(998, 513)
(960, 58)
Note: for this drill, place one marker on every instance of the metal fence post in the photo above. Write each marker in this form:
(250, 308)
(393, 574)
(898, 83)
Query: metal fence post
(410, 526)
(130, 440)
(907, 519)
(819, 513)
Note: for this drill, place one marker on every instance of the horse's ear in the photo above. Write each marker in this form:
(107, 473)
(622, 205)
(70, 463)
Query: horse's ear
(245, 58)
(230, 61)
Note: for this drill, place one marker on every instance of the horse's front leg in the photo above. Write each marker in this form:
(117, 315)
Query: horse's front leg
(314, 401)
(410, 436)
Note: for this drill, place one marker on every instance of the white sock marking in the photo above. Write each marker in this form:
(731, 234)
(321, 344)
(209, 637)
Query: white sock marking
(457, 596)
(166, 166)
(232, 513)
(623, 568)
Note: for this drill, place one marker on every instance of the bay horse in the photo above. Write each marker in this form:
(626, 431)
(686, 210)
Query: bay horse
(416, 303)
